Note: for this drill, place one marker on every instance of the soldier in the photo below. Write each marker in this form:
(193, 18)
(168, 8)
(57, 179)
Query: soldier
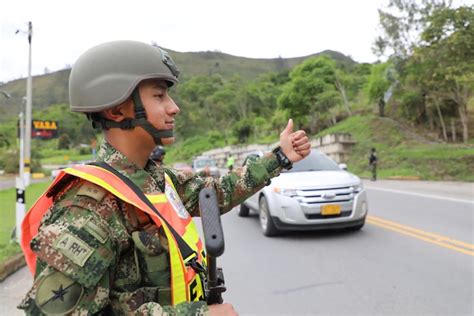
(373, 163)
(93, 241)
(381, 107)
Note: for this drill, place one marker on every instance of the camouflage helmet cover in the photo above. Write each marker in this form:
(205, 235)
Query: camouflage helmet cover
(106, 75)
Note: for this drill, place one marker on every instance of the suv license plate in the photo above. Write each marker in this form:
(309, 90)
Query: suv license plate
(331, 209)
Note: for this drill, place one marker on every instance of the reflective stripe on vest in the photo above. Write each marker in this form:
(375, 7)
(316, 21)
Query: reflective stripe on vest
(186, 284)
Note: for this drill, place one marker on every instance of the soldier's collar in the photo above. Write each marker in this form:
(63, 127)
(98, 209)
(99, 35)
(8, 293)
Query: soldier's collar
(141, 177)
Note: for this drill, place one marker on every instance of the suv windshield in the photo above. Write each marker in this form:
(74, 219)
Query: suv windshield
(316, 161)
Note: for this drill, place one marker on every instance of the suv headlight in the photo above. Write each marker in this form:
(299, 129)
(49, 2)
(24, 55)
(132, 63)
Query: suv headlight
(285, 191)
(358, 187)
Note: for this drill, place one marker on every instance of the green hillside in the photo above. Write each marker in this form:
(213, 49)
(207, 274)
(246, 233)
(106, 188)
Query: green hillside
(426, 129)
(52, 88)
(403, 152)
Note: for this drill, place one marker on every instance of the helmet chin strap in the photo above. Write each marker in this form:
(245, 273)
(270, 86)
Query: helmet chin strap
(139, 120)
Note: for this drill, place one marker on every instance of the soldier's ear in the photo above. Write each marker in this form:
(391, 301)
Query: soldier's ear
(119, 112)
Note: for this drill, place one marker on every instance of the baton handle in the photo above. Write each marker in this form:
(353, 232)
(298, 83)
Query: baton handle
(211, 222)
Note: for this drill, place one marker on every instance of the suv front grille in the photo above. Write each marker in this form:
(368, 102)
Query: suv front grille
(311, 201)
(324, 196)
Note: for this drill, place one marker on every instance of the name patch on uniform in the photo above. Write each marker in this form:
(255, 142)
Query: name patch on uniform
(93, 191)
(73, 248)
(176, 202)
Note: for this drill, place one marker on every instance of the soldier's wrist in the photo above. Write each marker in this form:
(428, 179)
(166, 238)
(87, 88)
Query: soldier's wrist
(282, 159)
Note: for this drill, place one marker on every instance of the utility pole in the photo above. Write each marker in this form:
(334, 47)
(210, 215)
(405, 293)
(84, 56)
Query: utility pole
(29, 95)
(20, 184)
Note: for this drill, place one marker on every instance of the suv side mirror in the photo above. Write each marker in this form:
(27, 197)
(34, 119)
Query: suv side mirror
(342, 166)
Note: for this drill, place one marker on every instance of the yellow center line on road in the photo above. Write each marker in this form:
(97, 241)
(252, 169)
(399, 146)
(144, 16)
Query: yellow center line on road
(436, 239)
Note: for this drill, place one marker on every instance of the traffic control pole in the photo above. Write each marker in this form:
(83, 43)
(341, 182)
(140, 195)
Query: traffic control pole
(20, 183)
(20, 206)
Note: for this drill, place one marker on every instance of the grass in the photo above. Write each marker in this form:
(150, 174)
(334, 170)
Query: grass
(402, 153)
(65, 158)
(401, 150)
(191, 147)
(8, 203)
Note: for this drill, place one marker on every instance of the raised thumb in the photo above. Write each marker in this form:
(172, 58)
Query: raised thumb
(289, 128)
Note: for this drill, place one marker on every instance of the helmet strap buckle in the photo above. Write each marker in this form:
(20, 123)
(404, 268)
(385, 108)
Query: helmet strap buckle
(127, 124)
(140, 114)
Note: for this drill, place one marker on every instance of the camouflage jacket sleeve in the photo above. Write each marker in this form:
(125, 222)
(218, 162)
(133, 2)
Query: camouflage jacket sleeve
(77, 248)
(232, 189)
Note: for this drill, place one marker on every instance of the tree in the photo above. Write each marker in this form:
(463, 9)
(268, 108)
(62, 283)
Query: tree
(446, 60)
(192, 97)
(311, 92)
(402, 23)
(379, 81)
(242, 130)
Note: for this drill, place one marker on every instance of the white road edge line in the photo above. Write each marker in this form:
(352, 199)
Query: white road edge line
(422, 195)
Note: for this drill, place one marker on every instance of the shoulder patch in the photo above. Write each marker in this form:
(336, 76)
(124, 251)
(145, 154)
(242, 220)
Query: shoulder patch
(96, 229)
(93, 191)
(73, 248)
(74, 252)
(58, 294)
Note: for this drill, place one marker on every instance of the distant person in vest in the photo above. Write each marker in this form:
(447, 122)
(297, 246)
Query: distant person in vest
(92, 241)
(230, 162)
(373, 163)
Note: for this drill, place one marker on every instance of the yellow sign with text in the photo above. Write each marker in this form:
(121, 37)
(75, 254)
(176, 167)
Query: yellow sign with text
(50, 125)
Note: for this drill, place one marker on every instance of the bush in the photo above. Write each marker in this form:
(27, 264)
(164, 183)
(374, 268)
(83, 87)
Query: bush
(84, 150)
(412, 106)
(214, 137)
(64, 141)
(11, 161)
(242, 130)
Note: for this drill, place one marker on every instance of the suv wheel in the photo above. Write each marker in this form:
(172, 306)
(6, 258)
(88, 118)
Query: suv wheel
(266, 221)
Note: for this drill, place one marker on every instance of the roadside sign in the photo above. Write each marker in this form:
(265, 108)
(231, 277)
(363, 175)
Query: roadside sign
(43, 129)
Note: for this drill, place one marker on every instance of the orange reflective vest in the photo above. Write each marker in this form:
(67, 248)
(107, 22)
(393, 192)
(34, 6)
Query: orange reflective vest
(186, 283)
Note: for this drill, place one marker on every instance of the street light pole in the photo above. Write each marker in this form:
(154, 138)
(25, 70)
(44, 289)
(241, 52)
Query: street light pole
(29, 95)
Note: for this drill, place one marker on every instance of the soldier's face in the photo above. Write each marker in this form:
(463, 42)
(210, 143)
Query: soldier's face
(160, 107)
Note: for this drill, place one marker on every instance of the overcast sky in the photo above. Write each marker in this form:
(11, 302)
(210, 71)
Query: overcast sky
(63, 29)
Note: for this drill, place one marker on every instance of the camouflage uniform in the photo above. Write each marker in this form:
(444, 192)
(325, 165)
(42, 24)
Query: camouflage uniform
(119, 261)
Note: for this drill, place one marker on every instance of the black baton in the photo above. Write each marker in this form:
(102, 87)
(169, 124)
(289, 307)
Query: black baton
(214, 241)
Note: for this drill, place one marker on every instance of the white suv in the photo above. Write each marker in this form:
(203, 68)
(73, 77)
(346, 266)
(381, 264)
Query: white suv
(315, 194)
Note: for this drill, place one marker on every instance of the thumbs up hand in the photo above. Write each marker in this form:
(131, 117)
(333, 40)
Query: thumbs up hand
(295, 145)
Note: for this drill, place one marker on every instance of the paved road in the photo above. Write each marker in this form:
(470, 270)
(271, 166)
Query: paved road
(415, 256)
(10, 183)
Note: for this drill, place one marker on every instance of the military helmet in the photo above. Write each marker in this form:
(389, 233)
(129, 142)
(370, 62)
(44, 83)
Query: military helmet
(107, 74)
(158, 153)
